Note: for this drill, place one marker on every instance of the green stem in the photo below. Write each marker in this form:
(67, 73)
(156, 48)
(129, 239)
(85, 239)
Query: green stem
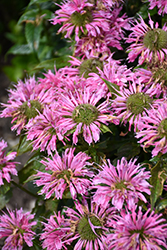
(24, 189)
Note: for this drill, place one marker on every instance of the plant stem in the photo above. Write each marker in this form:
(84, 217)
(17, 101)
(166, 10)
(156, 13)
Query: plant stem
(24, 189)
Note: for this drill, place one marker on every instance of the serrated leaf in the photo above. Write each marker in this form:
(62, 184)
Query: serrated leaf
(29, 34)
(29, 15)
(33, 33)
(111, 86)
(22, 49)
(158, 176)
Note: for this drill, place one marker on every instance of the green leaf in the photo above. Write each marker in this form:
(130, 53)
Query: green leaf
(59, 62)
(30, 168)
(51, 204)
(22, 49)
(4, 188)
(158, 176)
(29, 15)
(111, 86)
(128, 150)
(105, 128)
(24, 145)
(5, 198)
(29, 34)
(37, 2)
(33, 34)
(161, 205)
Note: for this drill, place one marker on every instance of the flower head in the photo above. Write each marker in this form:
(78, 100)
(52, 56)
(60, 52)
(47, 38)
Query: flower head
(131, 102)
(7, 166)
(68, 172)
(43, 131)
(25, 101)
(17, 227)
(137, 230)
(153, 129)
(124, 183)
(54, 232)
(80, 114)
(148, 42)
(160, 4)
(88, 225)
(79, 16)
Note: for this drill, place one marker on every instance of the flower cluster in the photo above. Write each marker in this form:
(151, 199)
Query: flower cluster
(97, 131)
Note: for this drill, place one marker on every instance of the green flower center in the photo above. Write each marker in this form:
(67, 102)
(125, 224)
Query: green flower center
(89, 66)
(65, 174)
(85, 113)
(120, 185)
(136, 103)
(155, 39)
(84, 228)
(140, 232)
(81, 19)
(30, 112)
(162, 129)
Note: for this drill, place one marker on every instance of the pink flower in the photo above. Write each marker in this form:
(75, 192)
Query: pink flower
(66, 172)
(7, 166)
(124, 183)
(88, 225)
(160, 4)
(148, 42)
(79, 16)
(137, 230)
(131, 102)
(98, 68)
(17, 228)
(153, 129)
(25, 101)
(79, 114)
(54, 232)
(43, 131)
(91, 46)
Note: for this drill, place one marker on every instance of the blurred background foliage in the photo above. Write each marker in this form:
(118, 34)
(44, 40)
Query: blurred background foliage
(29, 42)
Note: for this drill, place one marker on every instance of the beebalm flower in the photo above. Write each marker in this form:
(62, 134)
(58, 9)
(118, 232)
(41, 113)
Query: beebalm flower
(148, 42)
(98, 68)
(43, 131)
(79, 17)
(123, 184)
(25, 101)
(138, 230)
(90, 46)
(160, 4)
(79, 114)
(69, 172)
(54, 232)
(153, 129)
(7, 165)
(88, 225)
(132, 102)
(16, 226)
